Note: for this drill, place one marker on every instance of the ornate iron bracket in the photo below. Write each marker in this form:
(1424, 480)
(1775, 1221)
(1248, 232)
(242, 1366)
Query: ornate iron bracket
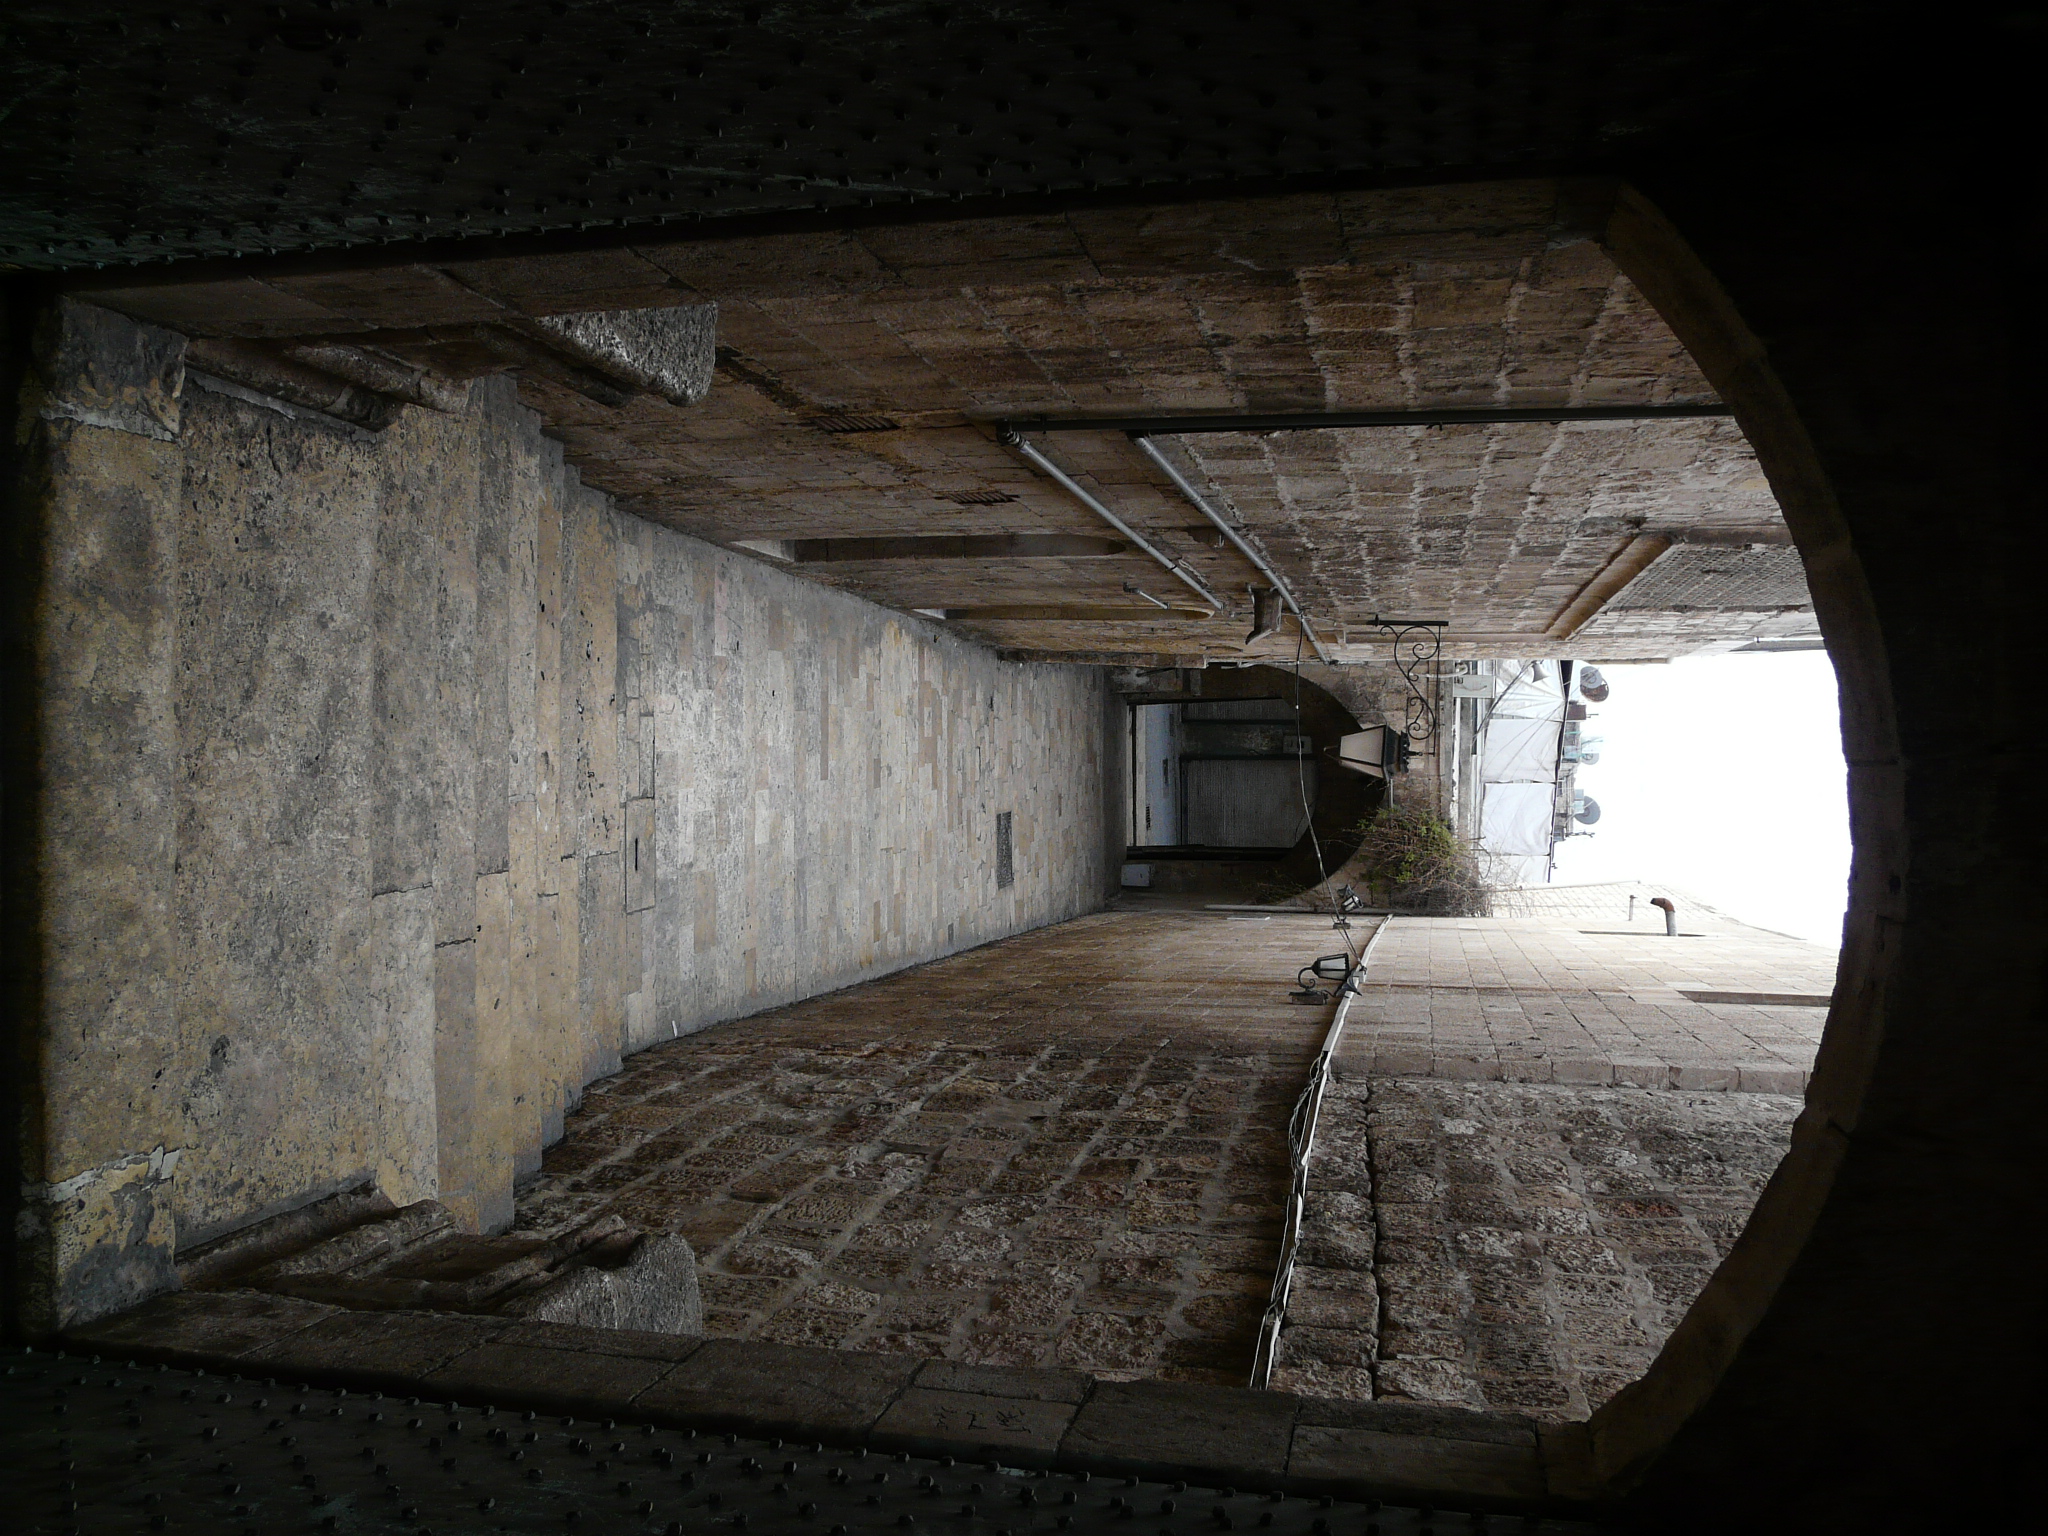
(1416, 642)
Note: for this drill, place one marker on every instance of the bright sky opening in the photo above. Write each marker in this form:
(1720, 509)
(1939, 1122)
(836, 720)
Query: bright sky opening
(1723, 775)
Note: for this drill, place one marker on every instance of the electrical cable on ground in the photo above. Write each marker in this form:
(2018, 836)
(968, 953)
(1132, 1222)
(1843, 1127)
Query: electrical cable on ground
(1301, 1124)
(1301, 1137)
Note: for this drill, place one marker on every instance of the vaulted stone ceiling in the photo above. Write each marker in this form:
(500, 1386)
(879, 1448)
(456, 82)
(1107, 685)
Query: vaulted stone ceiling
(864, 377)
(161, 133)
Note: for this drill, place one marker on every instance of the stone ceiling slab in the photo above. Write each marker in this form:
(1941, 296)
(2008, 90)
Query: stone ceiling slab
(860, 376)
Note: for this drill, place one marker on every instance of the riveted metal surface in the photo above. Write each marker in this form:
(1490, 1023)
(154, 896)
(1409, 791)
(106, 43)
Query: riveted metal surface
(235, 128)
(101, 1445)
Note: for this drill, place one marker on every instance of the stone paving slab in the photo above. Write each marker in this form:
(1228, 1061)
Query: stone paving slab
(628, 1342)
(1527, 1247)
(372, 1348)
(211, 1324)
(569, 1380)
(1063, 1150)
(1544, 1000)
(1347, 1461)
(1060, 1420)
(1024, 1430)
(1005, 1381)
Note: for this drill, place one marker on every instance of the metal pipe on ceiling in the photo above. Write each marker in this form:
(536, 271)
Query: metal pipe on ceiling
(1067, 483)
(1307, 421)
(1200, 505)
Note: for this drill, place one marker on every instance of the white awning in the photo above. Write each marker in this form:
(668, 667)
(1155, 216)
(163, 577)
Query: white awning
(1521, 869)
(1535, 694)
(1520, 750)
(1516, 818)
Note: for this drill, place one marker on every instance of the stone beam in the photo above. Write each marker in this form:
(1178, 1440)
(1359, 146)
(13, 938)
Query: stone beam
(991, 546)
(1070, 613)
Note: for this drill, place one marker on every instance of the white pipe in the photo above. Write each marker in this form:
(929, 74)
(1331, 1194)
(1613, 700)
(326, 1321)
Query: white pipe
(1230, 533)
(1308, 1110)
(1072, 488)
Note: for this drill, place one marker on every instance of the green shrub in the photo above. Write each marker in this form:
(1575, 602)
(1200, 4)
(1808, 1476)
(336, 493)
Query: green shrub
(1416, 862)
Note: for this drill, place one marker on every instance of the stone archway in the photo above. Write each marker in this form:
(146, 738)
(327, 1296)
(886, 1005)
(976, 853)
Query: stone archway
(1881, 1234)
(1323, 712)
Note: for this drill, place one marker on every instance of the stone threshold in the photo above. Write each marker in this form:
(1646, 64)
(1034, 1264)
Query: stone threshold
(1058, 1420)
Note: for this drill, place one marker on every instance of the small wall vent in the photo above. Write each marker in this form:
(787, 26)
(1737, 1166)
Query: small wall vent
(1006, 869)
(848, 421)
(978, 498)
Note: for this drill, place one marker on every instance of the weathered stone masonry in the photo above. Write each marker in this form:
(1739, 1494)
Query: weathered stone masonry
(394, 786)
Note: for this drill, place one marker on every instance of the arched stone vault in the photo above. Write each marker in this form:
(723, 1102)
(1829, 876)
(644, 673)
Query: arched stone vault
(1858, 336)
(1869, 371)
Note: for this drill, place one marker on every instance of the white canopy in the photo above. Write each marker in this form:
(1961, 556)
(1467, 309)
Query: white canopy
(1534, 694)
(1515, 818)
(1520, 750)
(1522, 868)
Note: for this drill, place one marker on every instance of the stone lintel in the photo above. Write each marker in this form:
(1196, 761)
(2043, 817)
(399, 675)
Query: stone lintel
(831, 1395)
(1053, 1419)
(1160, 1429)
(573, 1381)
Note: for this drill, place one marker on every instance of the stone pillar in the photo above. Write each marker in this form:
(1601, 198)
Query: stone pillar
(91, 824)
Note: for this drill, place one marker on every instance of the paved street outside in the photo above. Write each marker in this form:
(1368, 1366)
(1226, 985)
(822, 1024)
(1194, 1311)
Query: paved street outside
(1525, 1247)
(1069, 1148)
(1587, 997)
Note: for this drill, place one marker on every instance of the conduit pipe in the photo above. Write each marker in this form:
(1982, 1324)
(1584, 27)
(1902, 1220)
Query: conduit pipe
(1320, 421)
(1195, 500)
(1072, 487)
(1301, 1138)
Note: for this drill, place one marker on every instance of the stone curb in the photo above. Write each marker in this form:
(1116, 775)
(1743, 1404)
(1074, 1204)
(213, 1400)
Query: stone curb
(1575, 1072)
(1057, 1420)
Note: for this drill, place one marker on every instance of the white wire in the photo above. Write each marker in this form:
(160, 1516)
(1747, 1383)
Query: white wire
(1301, 783)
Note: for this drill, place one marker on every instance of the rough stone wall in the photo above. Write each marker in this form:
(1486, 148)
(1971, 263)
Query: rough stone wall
(394, 787)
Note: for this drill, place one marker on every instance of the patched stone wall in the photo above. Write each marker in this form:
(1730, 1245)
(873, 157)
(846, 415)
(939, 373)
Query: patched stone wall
(395, 786)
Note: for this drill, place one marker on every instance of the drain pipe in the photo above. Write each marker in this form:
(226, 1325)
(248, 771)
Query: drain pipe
(1258, 560)
(1301, 1141)
(1067, 483)
(1670, 914)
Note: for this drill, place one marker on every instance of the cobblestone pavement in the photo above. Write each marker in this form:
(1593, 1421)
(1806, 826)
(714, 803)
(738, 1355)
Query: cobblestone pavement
(1591, 1001)
(1514, 1246)
(1066, 1148)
